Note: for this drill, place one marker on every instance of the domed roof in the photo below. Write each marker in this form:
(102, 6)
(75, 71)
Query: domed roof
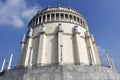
(58, 8)
(59, 13)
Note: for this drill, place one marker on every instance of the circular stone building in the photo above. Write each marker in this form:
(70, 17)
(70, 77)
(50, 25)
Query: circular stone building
(58, 46)
(60, 36)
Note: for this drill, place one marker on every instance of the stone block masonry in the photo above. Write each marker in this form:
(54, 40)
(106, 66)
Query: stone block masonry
(61, 72)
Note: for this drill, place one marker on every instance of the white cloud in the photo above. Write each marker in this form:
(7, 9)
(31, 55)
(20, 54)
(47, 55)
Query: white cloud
(14, 12)
(28, 13)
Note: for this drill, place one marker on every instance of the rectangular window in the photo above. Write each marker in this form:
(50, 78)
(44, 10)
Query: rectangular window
(70, 17)
(57, 17)
(52, 17)
(39, 19)
(62, 17)
(48, 17)
(44, 18)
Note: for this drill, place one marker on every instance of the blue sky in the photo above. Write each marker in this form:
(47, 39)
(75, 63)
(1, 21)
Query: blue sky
(103, 17)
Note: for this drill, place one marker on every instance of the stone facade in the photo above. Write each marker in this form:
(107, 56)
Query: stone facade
(61, 72)
(58, 46)
(58, 35)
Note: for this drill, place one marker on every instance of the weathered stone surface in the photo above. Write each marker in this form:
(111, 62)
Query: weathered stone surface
(61, 72)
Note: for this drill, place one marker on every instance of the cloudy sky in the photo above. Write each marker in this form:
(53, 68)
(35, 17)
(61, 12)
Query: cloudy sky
(103, 17)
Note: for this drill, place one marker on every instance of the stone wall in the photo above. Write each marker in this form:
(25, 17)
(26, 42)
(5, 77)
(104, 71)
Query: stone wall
(61, 72)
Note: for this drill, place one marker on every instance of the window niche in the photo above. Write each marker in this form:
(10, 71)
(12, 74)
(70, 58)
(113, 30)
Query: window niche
(81, 21)
(62, 17)
(57, 17)
(44, 18)
(40, 19)
(66, 17)
(36, 21)
(78, 19)
(48, 17)
(70, 17)
(52, 17)
(74, 18)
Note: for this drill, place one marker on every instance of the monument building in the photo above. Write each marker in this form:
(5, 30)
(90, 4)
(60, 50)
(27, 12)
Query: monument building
(59, 46)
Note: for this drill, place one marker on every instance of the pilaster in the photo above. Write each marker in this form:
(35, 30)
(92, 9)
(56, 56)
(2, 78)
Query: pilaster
(50, 17)
(3, 65)
(41, 47)
(30, 57)
(91, 52)
(45, 18)
(28, 47)
(54, 16)
(59, 17)
(38, 21)
(35, 22)
(60, 45)
(95, 50)
(41, 19)
(21, 51)
(77, 50)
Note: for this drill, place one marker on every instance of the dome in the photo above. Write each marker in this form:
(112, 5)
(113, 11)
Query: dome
(58, 14)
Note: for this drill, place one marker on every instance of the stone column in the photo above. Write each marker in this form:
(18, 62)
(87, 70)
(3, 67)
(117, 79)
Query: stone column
(21, 51)
(75, 19)
(41, 19)
(38, 21)
(95, 50)
(60, 45)
(41, 47)
(112, 64)
(30, 57)
(91, 52)
(28, 47)
(50, 17)
(32, 23)
(59, 17)
(45, 18)
(76, 40)
(80, 21)
(68, 17)
(35, 22)
(63, 16)
(3, 65)
(54, 16)
(72, 18)
(108, 59)
(91, 56)
(10, 61)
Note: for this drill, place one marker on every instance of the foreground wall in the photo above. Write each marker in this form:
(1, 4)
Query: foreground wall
(66, 72)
